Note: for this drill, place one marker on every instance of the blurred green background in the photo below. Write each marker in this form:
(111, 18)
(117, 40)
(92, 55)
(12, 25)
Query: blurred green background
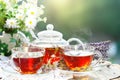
(89, 20)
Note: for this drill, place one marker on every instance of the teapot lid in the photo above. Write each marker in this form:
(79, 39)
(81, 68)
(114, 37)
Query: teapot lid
(50, 37)
(50, 34)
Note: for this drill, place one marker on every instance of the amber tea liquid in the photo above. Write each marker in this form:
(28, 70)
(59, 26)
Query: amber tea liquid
(78, 63)
(53, 54)
(28, 65)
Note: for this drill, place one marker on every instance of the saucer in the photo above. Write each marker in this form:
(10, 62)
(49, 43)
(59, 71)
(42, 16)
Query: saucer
(9, 73)
(70, 72)
(91, 69)
(69, 75)
(8, 67)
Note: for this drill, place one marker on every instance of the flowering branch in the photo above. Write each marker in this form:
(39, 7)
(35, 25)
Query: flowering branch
(23, 17)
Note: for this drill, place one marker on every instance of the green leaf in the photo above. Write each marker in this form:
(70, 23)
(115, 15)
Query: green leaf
(8, 53)
(18, 43)
(0, 30)
(4, 45)
(4, 49)
(13, 40)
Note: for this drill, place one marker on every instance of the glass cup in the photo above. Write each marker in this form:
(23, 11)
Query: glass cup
(80, 58)
(27, 61)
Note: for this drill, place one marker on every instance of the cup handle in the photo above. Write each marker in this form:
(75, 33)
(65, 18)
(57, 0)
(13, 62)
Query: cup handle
(13, 65)
(77, 40)
(95, 62)
(12, 62)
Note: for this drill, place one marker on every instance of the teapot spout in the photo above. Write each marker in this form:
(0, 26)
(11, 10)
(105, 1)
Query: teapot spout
(33, 35)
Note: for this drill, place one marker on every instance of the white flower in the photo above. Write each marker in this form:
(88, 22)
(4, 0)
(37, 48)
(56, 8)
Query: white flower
(6, 1)
(32, 1)
(44, 19)
(19, 0)
(11, 23)
(30, 23)
(24, 5)
(42, 6)
(21, 10)
(41, 11)
(20, 16)
(32, 12)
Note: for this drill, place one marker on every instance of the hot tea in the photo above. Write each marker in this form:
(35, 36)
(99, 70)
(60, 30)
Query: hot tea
(78, 62)
(28, 65)
(27, 62)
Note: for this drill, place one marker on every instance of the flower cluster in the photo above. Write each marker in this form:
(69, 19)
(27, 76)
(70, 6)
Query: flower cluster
(2, 15)
(21, 15)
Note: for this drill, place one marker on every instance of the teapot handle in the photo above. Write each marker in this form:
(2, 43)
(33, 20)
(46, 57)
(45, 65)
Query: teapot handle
(77, 40)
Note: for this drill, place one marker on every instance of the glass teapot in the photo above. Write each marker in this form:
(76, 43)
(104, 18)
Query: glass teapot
(53, 43)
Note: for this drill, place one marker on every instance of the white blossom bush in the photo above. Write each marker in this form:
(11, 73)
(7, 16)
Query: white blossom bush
(19, 15)
(24, 16)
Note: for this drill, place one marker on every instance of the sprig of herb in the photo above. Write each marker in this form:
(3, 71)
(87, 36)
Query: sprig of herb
(4, 49)
(2, 15)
